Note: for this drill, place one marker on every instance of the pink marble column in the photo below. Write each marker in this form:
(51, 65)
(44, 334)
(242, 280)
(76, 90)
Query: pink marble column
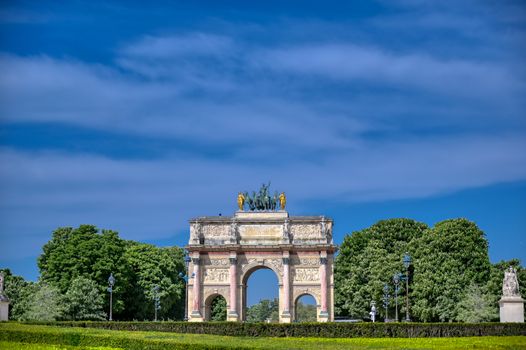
(323, 284)
(197, 286)
(286, 286)
(233, 286)
(323, 279)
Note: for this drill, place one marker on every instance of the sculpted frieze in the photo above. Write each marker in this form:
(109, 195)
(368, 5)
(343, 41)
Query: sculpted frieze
(216, 275)
(215, 231)
(219, 262)
(305, 231)
(306, 261)
(306, 274)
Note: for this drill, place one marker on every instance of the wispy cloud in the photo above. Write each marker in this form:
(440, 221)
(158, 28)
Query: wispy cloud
(364, 64)
(350, 118)
(122, 193)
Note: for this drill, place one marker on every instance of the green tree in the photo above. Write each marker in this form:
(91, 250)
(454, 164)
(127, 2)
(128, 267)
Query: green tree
(305, 312)
(476, 306)
(147, 266)
(83, 301)
(87, 252)
(447, 259)
(263, 311)
(45, 304)
(367, 260)
(19, 292)
(218, 309)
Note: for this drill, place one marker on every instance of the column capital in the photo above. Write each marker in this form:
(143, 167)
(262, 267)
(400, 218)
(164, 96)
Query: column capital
(323, 261)
(233, 261)
(286, 261)
(195, 261)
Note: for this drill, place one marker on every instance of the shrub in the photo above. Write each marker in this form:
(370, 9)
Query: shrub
(325, 330)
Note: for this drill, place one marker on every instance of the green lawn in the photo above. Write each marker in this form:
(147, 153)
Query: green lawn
(5, 345)
(16, 336)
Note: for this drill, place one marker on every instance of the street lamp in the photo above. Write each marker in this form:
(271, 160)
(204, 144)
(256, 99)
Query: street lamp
(396, 279)
(156, 300)
(111, 283)
(386, 300)
(185, 278)
(407, 263)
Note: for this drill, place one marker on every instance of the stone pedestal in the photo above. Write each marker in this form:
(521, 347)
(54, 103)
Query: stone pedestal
(511, 309)
(4, 310)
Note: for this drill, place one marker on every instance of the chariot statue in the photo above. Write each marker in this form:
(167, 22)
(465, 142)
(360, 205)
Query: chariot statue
(262, 200)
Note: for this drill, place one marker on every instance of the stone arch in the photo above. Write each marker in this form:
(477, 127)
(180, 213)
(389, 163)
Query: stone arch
(298, 296)
(208, 298)
(250, 268)
(246, 272)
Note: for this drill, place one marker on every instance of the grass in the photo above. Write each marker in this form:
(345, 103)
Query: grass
(16, 336)
(4, 345)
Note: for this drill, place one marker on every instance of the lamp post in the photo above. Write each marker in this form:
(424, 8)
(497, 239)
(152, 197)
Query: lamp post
(111, 283)
(396, 280)
(386, 301)
(156, 300)
(185, 278)
(407, 263)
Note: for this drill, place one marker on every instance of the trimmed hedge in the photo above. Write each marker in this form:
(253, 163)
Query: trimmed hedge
(324, 330)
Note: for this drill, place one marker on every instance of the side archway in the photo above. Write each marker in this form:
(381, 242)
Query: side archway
(215, 307)
(305, 308)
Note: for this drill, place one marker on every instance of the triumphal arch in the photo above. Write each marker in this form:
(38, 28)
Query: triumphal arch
(225, 251)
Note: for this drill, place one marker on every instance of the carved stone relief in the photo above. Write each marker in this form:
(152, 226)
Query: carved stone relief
(274, 263)
(215, 231)
(302, 274)
(305, 231)
(306, 261)
(216, 275)
(195, 229)
(219, 262)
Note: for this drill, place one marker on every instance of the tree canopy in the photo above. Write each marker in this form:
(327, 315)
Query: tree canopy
(450, 271)
(85, 252)
(263, 311)
(367, 260)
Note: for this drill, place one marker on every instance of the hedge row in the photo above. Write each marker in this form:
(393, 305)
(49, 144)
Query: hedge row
(325, 330)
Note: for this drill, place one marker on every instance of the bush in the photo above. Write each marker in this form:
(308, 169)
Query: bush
(325, 330)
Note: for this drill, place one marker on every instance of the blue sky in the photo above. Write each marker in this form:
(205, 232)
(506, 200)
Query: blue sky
(137, 118)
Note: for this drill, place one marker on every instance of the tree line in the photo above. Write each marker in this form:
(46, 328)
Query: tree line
(74, 269)
(450, 278)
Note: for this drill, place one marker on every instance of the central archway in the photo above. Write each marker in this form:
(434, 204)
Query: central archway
(260, 280)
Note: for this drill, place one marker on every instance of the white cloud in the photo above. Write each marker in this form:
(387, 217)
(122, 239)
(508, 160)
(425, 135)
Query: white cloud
(149, 199)
(346, 62)
(170, 47)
